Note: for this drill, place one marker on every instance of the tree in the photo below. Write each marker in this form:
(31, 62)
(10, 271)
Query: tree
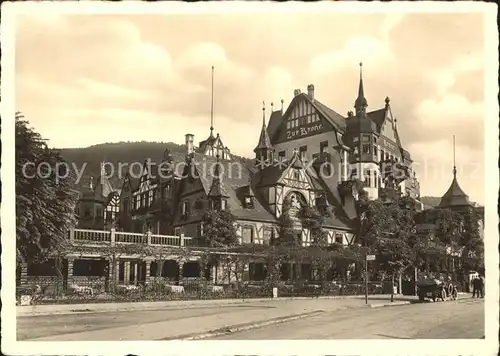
(287, 234)
(219, 229)
(471, 242)
(313, 220)
(45, 200)
(388, 230)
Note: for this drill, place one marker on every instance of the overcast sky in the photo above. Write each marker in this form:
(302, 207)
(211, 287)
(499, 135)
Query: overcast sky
(89, 79)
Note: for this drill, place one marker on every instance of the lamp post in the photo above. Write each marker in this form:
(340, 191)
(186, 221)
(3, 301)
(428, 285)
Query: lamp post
(366, 278)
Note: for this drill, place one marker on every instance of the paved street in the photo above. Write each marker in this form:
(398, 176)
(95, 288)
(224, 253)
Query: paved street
(462, 319)
(340, 318)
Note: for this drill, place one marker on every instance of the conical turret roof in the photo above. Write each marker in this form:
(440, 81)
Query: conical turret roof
(264, 140)
(454, 196)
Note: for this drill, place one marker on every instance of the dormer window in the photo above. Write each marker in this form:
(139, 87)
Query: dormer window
(249, 202)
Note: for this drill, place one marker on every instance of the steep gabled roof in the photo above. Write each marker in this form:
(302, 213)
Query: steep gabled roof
(274, 122)
(234, 182)
(378, 117)
(337, 120)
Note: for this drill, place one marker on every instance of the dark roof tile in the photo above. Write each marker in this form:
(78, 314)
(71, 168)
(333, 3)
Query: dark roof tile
(335, 118)
(454, 196)
(274, 122)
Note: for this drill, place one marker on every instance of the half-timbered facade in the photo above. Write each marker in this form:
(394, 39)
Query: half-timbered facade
(112, 209)
(99, 204)
(147, 200)
(255, 192)
(356, 147)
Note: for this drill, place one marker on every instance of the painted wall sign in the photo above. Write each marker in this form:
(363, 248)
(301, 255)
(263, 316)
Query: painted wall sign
(303, 131)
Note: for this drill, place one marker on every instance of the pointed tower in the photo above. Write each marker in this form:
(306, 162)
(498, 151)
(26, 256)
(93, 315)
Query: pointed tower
(455, 198)
(361, 136)
(361, 104)
(264, 149)
(217, 195)
(213, 143)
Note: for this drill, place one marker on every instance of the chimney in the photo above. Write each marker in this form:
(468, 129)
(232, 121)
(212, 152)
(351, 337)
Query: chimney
(310, 91)
(296, 92)
(190, 143)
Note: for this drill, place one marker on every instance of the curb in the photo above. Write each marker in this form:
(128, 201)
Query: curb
(244, 327)
(72, 309)
(393, 304)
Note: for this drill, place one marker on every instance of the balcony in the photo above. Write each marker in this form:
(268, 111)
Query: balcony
(103, 237)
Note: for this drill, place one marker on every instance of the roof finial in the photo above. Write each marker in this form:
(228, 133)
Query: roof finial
(212, 106)
(272, 106)
(282, 101)
(360, 104)
(103, 168)
(263, 113)
(91, 185)
(454, 162)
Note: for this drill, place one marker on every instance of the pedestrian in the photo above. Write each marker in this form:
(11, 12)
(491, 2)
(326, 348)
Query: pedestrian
(474, 286)
(481, 286)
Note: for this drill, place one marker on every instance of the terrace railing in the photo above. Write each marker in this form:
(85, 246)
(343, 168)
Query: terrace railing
(113, 236)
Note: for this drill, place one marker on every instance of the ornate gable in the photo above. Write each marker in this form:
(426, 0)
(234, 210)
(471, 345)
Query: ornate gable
(296, 177)
(302, 119)
(388, 129)
(214, 146)
(144, 182)
(294, 181)
(114, 202)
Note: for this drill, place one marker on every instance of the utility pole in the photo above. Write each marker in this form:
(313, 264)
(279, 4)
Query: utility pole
(392, 286)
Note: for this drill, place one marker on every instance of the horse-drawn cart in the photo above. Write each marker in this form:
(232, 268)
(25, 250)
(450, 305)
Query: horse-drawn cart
(435, 289)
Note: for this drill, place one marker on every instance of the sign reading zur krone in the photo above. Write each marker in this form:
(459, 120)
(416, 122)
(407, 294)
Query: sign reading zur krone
(303, 131)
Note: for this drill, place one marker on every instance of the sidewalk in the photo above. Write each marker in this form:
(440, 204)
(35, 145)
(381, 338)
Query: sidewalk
(62, 309)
